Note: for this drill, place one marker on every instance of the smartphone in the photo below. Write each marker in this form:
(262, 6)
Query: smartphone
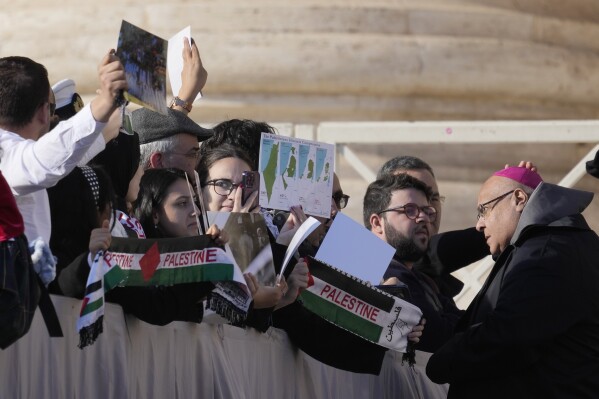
(251, 183)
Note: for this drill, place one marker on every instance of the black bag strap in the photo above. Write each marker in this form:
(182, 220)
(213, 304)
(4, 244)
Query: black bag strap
(48, 311)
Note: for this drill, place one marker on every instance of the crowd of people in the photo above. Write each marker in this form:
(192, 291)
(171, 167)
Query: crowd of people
(532, 330)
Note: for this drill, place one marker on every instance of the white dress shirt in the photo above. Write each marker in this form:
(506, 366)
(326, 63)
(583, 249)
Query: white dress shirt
(32, 166)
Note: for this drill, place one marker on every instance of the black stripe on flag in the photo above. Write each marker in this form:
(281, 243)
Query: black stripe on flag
(351, 285)
(165, 245)
(93, 287)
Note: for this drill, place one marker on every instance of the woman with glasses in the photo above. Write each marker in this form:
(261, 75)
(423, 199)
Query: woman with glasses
(220, 170)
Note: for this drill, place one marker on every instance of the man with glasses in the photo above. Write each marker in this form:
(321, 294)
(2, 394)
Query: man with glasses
(398, 210)
(447, 252)
(533, 329)
(168, 141)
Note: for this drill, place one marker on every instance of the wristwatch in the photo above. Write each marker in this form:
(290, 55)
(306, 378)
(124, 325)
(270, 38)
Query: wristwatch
(180, 103)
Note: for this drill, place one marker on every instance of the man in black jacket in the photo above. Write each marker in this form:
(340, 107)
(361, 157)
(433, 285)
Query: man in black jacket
(533, 329)
(449, 251)
(397, 209)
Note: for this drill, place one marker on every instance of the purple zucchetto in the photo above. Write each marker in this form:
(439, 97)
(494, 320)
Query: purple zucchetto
(521, 175)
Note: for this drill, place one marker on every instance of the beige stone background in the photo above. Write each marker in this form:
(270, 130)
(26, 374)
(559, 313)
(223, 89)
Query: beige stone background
(308, 61)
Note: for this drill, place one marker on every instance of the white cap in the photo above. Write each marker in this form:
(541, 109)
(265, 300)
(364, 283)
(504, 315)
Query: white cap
(63, 92)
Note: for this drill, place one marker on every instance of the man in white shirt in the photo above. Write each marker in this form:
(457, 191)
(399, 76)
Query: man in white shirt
(34, 160)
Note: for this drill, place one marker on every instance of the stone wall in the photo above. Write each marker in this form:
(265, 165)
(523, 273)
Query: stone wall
(344, 59)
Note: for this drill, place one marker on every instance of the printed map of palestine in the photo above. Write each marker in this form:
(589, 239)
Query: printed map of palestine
(296, 172)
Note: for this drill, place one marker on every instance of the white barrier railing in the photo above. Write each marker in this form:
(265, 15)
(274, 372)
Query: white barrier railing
(133, 359)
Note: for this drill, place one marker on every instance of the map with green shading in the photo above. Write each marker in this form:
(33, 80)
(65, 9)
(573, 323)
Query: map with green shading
(296, 172)
(269, 150)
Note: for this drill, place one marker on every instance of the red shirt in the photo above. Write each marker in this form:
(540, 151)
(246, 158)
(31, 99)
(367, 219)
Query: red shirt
(11, 221)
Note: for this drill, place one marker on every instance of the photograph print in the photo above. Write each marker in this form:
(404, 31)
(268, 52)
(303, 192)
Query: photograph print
(144, 57)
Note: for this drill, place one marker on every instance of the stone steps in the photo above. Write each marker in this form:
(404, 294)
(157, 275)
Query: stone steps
(422, 60)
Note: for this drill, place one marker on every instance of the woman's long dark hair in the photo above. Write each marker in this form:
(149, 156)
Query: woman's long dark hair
(153, 187)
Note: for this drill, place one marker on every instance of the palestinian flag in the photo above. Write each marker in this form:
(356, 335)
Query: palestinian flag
(151, 262)
(91, 317)
(166, 261)
(358, 307)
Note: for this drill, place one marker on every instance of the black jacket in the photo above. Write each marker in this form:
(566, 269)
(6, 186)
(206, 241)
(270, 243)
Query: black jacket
(448, 252)
(533, 329)
(440, 312)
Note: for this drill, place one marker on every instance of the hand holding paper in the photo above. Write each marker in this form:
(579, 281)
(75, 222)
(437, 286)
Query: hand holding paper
(185, 69)
(302, 233)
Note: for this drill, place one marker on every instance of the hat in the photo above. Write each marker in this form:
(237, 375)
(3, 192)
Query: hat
(593, 166)
(521, 175)
(68, 102)
(63, 92)
(152, 126)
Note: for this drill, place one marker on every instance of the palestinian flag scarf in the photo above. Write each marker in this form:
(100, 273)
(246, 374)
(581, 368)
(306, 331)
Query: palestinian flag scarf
(153, 262)
(358, 307)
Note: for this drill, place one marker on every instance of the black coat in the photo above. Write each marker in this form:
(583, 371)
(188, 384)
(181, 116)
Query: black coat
(533, 329)
(440, 311)
(448, 252)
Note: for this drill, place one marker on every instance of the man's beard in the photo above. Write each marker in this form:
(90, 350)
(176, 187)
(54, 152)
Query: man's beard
(406, 248)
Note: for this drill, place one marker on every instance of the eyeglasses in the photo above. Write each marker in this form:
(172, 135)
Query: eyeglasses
(412, 211)
(340, 199)
(194, 155)
(222, 187)
(484, 209)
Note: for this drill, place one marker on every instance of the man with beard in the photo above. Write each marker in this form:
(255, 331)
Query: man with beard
(448, 251)
(398, 210)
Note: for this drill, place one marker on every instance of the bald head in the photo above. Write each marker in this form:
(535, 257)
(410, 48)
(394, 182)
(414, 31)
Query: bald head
(501, 201)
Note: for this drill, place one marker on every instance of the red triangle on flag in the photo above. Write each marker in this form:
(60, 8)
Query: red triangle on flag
(310, 278)
(149, 262)
(83, 305)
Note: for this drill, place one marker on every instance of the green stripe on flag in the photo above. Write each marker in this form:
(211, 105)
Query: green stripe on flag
(181, 275)
(113, 277)
(92, 306)
(341, 317)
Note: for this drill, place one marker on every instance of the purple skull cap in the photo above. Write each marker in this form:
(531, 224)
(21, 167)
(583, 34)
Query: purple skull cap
(521, 175)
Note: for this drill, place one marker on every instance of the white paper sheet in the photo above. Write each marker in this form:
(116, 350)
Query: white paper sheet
(300, 235)
(174, 60)
(351, 247)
